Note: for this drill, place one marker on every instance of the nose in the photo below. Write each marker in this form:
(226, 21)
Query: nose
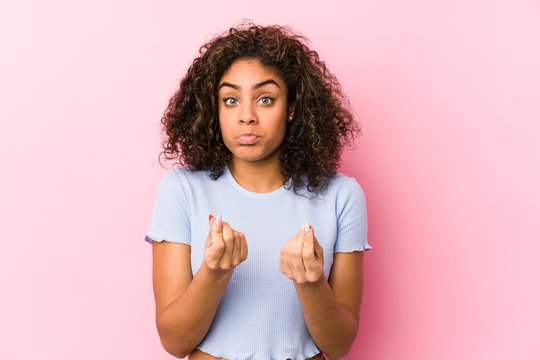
(247, 115)
(252, 121)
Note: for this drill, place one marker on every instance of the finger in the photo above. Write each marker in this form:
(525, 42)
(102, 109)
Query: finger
(308, 254)
(318, 249)
(218, 224)
(208, 242)
(289, 263)
(319, 254)
(228, 240)
(216, 228)
(236, 257)
(298, 262)
(244, 248)
(217, 245)
(308, 249)
(233, 244)
(283, 261)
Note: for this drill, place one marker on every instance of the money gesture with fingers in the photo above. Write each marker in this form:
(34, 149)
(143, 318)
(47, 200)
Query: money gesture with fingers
(301, 257)
(225, 247)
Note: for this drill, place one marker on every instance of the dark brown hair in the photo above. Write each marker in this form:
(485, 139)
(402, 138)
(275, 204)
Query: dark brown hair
(322, 122)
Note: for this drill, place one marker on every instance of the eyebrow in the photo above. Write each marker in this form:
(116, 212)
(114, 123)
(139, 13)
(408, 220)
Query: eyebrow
(256, 86)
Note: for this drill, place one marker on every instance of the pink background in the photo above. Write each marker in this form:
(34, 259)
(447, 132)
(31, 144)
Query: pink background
(447, 93)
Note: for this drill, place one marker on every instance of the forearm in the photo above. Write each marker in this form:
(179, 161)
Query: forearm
(332, 326)
(183, 323)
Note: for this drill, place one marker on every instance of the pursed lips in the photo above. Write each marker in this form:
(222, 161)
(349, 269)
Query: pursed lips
(247, 139)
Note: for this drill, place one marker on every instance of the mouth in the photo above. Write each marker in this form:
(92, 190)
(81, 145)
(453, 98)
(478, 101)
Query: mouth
(248, 139)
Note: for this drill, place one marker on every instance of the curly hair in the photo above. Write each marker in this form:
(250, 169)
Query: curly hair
(322, 123)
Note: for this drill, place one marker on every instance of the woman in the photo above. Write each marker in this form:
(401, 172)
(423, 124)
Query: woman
(258, 125)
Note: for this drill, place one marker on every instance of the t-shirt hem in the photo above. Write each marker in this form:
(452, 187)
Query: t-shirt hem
(150, 239)
(227, 356)
(349, 250)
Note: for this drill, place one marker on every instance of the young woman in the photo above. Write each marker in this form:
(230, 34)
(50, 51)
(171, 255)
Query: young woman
(258, 124)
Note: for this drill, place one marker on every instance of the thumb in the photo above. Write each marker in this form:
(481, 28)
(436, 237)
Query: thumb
(211, 219)
(217, 227)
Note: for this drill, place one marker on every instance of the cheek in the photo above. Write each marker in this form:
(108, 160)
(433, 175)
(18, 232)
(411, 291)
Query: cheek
(223, 115)
(279, 125)
(226, 133)
(224, 130)
(224, 121)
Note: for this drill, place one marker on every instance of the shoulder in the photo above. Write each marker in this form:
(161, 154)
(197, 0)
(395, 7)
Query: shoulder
(340, 188)
(180, 181)
(180, 175)
(349, 196)
(343, 185)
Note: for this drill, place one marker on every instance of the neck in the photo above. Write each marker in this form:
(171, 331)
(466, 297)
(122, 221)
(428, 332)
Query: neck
(259, 177)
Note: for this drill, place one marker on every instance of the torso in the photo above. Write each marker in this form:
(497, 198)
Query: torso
(201, 355)
(281, 306)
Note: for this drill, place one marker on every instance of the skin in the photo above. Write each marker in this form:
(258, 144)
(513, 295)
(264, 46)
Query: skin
(186, 304)
(262, 111)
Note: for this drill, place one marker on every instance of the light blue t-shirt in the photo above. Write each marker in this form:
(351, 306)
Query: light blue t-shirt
(259, 316)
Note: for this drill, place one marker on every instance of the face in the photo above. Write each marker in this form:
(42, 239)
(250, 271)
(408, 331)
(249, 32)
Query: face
(252, 111)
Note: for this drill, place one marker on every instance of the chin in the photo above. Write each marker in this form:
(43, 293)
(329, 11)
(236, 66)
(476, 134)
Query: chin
(250, 157)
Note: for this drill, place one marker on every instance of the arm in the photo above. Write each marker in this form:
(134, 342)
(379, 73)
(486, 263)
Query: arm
(186, 305)
(330, 307)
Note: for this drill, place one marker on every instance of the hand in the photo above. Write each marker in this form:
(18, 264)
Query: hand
(301, 257)
(225, 248)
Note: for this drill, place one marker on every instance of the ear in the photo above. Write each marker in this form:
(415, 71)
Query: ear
(290, 112)
(291, 107)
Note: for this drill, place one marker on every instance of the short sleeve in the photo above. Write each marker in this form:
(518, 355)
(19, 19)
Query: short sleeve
(170, 217)
(351, 218)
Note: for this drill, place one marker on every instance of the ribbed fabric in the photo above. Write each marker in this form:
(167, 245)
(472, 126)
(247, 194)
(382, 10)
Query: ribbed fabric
(259, 316)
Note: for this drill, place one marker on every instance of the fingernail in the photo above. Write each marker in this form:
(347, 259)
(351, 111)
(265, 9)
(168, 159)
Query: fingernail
(305, 227)
(218, 221)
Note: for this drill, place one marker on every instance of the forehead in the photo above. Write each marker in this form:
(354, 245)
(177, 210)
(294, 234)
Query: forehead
(246, 72)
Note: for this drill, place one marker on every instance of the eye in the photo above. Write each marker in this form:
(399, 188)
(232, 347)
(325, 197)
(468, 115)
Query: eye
(269, 101)
(229, 98)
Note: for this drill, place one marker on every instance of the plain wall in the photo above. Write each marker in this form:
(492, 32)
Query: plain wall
(446, 93)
